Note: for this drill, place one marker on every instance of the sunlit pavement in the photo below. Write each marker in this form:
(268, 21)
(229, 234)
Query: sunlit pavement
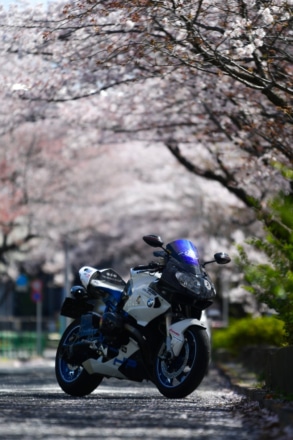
(32, 406)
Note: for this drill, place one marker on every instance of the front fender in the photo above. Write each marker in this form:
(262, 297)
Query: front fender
(176, 332)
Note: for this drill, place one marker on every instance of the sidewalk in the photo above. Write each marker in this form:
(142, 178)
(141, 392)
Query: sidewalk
(247, 383)
(14, 365)
(240, 379)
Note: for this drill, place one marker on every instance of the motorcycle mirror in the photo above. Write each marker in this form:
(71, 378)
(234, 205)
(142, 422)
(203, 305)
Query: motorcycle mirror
(153, 240)
(222, 258)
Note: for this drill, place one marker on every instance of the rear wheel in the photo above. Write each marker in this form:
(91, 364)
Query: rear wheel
(73, 378)
(180, 376)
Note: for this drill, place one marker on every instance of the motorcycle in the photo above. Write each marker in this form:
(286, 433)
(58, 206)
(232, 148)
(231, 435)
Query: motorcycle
(150, 328)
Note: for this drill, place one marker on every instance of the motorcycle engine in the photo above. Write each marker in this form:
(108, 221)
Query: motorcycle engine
(112, 329)
(111, 323)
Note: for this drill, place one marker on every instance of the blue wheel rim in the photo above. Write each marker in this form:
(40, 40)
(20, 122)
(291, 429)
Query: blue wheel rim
(69, 372)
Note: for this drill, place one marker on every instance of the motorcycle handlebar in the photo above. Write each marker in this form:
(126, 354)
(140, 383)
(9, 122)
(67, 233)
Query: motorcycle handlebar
(152, 266)
(161, 254)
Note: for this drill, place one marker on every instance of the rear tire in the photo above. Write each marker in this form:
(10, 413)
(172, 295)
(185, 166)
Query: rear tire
(176, 378)
(73, 378)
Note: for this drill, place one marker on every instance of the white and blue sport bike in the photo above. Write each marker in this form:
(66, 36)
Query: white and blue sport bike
(150, 329)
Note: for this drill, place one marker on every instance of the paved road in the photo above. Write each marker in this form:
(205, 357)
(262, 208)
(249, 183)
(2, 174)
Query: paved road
(32, 406)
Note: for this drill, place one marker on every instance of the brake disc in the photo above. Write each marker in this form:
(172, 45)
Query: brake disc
(171, 365)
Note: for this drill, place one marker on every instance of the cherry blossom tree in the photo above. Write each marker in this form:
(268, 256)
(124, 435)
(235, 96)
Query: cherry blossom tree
(209, 81)
(234, 56)
(245, 40)
(217, 75)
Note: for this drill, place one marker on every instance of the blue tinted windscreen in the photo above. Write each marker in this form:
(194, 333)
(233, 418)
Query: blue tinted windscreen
(184, 250)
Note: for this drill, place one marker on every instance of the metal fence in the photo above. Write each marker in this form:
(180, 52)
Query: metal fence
(21, 338)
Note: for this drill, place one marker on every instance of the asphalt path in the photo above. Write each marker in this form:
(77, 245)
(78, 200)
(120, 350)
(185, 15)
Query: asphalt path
(32, 406)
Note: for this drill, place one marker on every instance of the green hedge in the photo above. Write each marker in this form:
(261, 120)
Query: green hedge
(249, 331)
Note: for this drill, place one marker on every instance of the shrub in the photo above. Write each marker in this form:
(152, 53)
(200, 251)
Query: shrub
(249, 331)
(272, 281)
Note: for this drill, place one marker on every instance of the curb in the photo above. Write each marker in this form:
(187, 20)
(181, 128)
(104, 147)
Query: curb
(247, 383)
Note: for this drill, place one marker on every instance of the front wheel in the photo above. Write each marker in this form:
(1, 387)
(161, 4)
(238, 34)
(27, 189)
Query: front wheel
(73, 378)
(176, 378)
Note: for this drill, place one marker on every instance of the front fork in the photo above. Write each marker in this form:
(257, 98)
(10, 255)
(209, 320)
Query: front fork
(169, 349)
(175, 334)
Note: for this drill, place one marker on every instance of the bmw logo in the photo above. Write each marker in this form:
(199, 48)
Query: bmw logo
(150, 302)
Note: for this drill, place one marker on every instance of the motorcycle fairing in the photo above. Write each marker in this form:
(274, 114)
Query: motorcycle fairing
(111, 367)
(143, 303)
(108, 276)
(176, 332)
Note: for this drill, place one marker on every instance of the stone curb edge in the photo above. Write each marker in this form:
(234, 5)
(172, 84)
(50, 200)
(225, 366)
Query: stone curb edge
(279, 407)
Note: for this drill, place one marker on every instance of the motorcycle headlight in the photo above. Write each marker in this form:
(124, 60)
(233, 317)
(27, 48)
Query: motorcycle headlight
(189, 281)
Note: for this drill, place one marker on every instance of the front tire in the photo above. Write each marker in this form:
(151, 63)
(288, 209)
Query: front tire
(176, 378)
(73, 378)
